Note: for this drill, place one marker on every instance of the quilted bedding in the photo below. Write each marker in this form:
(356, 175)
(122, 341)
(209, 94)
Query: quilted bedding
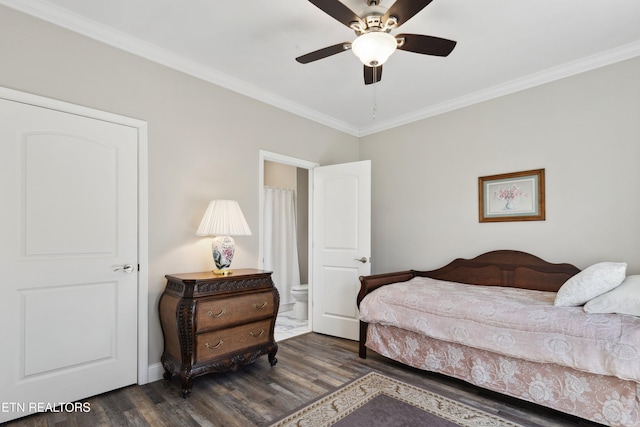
(518, 323)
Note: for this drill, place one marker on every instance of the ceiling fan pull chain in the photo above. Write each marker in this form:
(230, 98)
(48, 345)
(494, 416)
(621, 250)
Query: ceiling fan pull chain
(375, 103)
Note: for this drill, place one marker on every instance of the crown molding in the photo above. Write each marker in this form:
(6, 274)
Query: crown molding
(74, 22)
(589, 63)
(104, 34)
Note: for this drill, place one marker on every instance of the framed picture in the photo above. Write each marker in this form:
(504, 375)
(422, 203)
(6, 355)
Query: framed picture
(516, 196)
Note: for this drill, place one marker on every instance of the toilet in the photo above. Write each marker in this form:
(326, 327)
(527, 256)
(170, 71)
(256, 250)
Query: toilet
(301, 306)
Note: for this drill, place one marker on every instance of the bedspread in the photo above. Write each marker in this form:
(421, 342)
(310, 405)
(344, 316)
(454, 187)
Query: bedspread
(513, 322)
(603, 399)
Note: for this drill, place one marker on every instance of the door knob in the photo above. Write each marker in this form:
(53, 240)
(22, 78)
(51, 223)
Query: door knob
(362, 260)
(127, 268)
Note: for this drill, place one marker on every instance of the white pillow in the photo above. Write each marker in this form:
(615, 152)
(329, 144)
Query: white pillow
(590, 282)
(624, 299)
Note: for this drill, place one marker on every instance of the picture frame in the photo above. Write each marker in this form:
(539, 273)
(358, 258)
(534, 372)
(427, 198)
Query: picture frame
(515, 196)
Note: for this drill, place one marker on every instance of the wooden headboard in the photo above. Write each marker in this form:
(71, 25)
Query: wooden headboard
(505, 268)
(497, 268)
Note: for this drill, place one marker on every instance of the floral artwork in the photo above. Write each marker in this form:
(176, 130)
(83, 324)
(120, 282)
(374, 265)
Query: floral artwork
(510, 194)
(517, 196)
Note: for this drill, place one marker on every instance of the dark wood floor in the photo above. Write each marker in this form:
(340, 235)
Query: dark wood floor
(308, 367)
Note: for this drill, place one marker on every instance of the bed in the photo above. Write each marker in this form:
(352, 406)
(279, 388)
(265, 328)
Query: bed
(492, 321)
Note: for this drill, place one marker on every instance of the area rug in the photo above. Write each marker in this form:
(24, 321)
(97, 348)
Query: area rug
(376, 400)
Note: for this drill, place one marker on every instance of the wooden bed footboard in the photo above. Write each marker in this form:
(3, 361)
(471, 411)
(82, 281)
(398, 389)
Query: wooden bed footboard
(369, 284)
(496, 268)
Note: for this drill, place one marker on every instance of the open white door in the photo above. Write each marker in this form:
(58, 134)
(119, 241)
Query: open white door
(69, 226)
(341, 245)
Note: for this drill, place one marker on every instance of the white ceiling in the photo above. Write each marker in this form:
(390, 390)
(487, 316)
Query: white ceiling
(250, 46)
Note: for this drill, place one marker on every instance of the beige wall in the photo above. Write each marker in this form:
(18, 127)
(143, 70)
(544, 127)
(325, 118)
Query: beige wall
(584, 130)
(302, 216)
(280, 175)
(204, 141)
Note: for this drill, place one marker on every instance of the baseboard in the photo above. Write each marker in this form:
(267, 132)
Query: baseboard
(155, 372)
(285, 307)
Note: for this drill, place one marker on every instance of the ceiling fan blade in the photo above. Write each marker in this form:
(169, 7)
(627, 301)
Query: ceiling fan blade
(404, 10)
(426, 45)
(323, 53)
(372, 75)
(337, 10)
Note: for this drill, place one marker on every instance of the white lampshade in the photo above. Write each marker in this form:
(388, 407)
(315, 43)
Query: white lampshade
(223, 218)
(374, 48)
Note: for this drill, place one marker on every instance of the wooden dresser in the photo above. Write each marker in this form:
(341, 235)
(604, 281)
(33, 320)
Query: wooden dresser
(216, 323)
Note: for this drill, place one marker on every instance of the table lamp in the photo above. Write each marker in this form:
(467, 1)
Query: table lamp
(223, 219)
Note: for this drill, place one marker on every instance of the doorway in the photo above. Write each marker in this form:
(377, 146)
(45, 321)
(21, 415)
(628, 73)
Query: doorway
(285, 224)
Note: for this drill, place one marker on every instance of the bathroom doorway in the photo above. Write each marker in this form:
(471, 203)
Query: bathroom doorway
(284, 238)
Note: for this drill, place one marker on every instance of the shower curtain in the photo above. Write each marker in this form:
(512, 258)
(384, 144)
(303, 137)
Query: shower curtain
(280, 240)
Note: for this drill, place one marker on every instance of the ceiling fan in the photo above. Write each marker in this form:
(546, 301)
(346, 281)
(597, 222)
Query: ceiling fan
(374, 43)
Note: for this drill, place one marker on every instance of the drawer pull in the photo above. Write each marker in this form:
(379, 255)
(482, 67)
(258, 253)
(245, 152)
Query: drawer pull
(211, 347)
(212, 314)
(257, 307)
(256, 335)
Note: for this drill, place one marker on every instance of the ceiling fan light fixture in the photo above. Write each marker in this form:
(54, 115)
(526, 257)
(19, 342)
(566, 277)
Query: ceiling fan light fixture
(374, 48)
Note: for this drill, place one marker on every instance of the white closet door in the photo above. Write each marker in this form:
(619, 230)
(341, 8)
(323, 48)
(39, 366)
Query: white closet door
(69, 220)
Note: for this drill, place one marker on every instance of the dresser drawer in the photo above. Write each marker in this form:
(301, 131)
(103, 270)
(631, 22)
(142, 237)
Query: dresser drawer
(219, 313)
(214, 344)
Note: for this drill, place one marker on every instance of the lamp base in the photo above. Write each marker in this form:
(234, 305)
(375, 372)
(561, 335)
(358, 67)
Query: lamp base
(225, 272)
(222, 248)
